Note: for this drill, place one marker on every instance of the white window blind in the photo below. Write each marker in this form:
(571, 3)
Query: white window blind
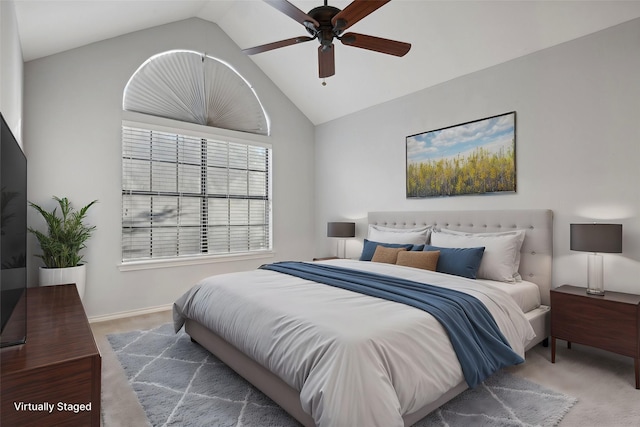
(188, 196)
(195, 88)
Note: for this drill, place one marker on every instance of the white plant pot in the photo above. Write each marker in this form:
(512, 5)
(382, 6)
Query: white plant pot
(63, 276)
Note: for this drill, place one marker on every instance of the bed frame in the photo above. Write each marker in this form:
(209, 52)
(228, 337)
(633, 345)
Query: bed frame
(535, 266)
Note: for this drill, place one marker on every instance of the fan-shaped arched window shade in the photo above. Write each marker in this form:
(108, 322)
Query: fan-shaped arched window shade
(196, 88)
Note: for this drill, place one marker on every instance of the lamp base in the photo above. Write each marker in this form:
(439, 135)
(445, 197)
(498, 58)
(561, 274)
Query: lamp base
(344, 248)
(595, 282)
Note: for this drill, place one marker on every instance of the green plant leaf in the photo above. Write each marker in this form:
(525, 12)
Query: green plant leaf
(66, 234)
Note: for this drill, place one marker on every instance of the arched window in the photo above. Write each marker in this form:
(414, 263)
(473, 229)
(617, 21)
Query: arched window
(192, 191)
(195, 88)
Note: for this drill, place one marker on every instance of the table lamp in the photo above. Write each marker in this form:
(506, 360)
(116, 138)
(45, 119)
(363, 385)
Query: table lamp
(596, 238)
(342, 230)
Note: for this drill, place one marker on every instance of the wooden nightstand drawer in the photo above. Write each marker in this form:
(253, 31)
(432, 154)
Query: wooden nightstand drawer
(610, 322)
(604, 324)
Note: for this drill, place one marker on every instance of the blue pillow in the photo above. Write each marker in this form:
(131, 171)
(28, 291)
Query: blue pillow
(463, 262)
(370, 248)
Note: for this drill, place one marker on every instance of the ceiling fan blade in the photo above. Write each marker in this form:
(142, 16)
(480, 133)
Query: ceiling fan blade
(292, 12)
(377, 44)
(276, 45)
(326, 61)
(354, 12)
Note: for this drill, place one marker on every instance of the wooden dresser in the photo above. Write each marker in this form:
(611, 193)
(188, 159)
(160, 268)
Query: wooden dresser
(54, 378)
(610, 322)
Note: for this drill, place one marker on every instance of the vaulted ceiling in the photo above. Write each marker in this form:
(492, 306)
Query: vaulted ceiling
(449, 39)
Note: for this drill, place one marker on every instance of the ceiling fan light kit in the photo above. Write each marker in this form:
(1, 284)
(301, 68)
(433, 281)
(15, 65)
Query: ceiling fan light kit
(326, 23)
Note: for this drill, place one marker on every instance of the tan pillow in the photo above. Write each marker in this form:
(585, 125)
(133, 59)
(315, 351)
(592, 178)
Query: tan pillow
(418, 259)
(386, 255)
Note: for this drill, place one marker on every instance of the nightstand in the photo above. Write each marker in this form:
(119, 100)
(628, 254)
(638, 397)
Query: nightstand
(610, 322)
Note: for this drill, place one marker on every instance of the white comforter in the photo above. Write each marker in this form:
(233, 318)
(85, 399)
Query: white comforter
(357, 360)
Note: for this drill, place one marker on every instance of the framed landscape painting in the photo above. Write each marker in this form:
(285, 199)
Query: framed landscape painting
(476, 157)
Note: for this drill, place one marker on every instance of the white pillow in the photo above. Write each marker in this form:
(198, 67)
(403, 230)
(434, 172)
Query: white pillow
(501, 258)
(520, 233)
(416, 236)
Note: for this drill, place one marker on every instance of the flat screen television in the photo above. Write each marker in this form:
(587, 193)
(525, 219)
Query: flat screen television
(13, 239)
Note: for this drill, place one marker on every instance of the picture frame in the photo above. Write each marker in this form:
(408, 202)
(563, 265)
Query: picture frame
(476, 157)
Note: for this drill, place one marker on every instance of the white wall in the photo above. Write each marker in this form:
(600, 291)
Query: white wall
(73, 113)
(577, 147)
(11, 68)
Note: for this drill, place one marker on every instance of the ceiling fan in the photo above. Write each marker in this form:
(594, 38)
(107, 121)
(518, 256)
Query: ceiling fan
(326, 23)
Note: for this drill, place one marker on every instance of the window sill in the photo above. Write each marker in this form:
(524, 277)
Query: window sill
(186, 261)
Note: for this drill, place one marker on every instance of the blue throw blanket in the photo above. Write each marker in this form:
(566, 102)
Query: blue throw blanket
(480, 346)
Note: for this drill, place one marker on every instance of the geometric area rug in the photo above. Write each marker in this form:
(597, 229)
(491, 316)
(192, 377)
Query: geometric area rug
(179, 383)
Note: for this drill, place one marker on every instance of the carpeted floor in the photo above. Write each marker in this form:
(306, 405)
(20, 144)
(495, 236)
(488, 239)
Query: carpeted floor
(178, 383)
(602, 381)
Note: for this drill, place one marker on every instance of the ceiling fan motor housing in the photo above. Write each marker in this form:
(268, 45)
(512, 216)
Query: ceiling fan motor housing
(325, 32)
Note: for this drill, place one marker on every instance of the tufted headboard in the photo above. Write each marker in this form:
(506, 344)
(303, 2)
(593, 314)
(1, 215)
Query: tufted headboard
(537, 248)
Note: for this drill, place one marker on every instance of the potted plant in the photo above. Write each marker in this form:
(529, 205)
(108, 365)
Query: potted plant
(61, 245)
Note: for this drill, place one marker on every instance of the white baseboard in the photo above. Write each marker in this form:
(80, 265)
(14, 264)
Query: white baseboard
(131, 313)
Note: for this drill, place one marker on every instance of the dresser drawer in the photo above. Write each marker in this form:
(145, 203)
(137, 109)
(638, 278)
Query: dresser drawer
(59, 365)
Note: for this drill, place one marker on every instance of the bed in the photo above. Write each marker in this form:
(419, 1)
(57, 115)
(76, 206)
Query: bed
(289, 366)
